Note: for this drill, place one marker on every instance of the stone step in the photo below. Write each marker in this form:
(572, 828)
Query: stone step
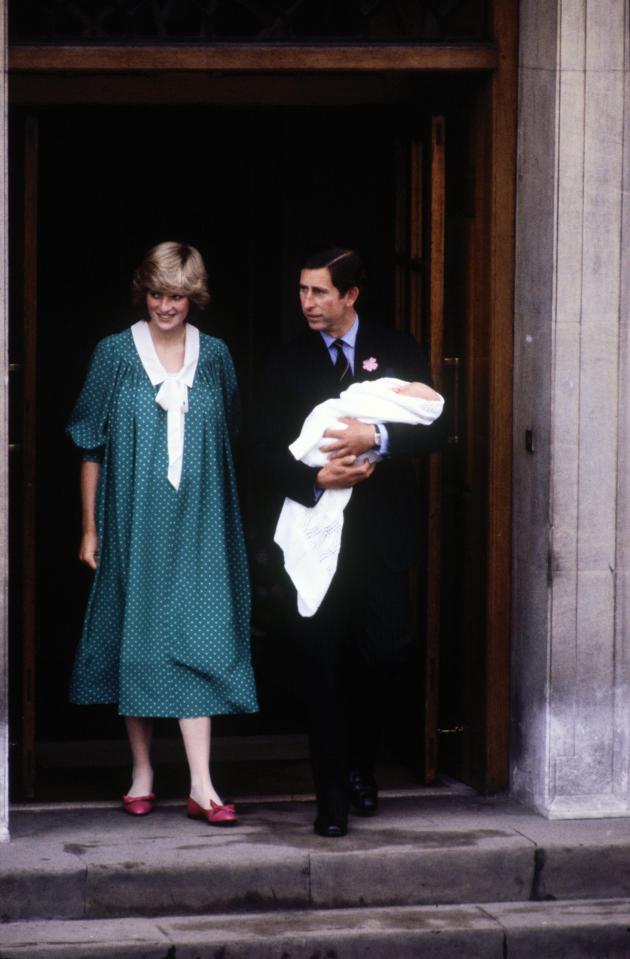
(550, 930)
(96, 862)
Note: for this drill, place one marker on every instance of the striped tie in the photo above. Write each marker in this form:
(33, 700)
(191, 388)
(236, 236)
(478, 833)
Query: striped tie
(341, 363)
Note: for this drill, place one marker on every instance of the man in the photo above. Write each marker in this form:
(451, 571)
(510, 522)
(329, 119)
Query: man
(362, 630)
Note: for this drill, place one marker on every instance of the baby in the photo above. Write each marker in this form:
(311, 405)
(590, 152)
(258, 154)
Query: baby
(310, 538)
(418, 390)
(386, 400)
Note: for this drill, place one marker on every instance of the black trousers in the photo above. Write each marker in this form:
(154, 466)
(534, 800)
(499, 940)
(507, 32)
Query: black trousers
(348, 653)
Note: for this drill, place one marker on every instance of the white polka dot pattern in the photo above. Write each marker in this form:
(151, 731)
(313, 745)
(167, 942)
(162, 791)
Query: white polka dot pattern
(166, 629)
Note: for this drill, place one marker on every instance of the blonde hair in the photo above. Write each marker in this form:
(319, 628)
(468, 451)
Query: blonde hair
(172, 268)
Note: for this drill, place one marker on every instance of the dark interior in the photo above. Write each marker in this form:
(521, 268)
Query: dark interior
(254, 189)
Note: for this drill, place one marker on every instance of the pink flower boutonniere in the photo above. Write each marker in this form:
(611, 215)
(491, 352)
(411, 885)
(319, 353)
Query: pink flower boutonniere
(370, 364)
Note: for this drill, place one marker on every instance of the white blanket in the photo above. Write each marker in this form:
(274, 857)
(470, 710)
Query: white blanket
(310, 537)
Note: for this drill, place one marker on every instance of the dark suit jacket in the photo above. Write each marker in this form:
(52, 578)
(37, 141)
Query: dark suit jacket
(383, 518)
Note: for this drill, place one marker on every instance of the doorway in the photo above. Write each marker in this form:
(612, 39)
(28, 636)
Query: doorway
(254, 189)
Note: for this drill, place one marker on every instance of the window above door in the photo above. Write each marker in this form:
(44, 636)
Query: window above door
(225, 21)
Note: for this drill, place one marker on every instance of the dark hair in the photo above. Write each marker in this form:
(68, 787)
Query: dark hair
(345, 267)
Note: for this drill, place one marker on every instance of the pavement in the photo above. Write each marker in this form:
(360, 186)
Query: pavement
(439, 874)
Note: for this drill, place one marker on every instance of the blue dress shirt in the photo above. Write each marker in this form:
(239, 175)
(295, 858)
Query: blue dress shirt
(348, 345)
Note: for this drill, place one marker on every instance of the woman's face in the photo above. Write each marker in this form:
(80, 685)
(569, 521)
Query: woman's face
(167, 311)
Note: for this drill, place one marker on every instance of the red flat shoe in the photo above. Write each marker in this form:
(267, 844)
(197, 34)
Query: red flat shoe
(217, 815)
(138, 805)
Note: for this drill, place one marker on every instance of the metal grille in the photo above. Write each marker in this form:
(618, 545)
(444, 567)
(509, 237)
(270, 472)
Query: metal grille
(224, 21)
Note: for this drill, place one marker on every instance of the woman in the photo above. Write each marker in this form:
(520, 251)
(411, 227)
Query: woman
(166, 630)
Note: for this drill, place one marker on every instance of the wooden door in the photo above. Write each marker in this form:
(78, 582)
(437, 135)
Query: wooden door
(441, 247)
(419, 281)
(22, 372)
(442, 260)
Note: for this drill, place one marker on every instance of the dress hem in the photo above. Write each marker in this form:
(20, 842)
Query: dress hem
(198, 714)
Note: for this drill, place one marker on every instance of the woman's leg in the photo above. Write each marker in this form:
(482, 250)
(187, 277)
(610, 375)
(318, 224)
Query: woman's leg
(196, 735)
(140, 733)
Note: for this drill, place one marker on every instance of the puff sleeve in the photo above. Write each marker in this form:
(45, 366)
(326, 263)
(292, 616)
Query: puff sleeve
(89, 420)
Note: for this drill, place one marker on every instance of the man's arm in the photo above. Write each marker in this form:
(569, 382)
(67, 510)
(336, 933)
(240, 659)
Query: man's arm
(409, 441)
(402, 440)
(275, 427)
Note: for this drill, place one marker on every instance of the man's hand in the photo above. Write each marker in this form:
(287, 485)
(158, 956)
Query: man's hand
(357, 438)
(343, 474)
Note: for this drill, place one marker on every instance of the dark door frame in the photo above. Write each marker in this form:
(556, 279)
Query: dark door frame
(238, 74)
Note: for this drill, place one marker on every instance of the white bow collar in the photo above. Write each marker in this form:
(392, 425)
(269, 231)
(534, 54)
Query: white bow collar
(173, 394)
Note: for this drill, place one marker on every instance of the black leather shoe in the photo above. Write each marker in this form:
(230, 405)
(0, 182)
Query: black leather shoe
(363, 793)
(330, 828)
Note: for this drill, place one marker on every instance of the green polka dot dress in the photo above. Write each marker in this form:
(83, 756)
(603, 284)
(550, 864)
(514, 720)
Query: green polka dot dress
(166, 629)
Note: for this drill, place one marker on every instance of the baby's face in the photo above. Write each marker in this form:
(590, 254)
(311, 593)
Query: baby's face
(419, 390)
(412, 389)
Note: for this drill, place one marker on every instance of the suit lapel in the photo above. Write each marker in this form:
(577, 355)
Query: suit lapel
(370, 362)
(367, 362)
(322, 380)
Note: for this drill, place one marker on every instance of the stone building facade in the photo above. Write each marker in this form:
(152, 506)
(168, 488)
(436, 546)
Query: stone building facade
(570, 670)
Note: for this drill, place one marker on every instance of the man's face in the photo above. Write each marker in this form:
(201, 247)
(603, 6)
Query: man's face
(325, 308)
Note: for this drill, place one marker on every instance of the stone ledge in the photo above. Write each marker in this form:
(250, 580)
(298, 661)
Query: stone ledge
(580, 930)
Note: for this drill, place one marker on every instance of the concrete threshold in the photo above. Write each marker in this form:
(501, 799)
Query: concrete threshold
(445, 788)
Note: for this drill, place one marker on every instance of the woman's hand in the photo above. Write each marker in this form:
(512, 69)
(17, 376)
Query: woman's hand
(88, 550)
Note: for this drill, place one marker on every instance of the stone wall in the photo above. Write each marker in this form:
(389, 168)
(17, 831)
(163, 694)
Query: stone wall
(571, 611)
(570, 668)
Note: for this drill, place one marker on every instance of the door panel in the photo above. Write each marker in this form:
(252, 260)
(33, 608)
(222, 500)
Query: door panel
(23, 450)
(29, 607)
(437, 194)
(441, 292)
(419, 283)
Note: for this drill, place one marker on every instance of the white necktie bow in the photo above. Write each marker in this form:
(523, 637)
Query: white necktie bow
(172, 396)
